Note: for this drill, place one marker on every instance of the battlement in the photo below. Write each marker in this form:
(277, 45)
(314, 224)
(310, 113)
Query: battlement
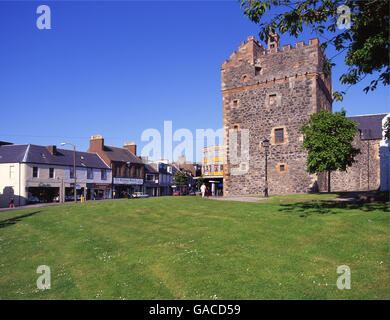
(252, 49)
(252, 63)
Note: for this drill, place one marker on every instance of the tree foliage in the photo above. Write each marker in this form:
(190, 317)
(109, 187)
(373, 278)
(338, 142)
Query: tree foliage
(180, 178)
(366, 42)
(200, 181)
(328, 138)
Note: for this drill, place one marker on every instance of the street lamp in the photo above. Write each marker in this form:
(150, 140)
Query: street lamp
(265, 145)
(74, 167)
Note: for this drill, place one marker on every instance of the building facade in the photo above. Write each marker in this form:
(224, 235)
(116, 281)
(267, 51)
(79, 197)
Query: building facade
(268, 94)
(128, 170)
(31, 173)
(365, 173)
(212, 168)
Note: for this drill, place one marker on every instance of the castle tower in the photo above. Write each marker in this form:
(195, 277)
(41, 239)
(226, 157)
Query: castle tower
(270, 94)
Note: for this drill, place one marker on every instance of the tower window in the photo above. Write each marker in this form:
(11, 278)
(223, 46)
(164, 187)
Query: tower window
(235, 103)
(257, 71)
(281, 167)
(279, 135)
(272, 99)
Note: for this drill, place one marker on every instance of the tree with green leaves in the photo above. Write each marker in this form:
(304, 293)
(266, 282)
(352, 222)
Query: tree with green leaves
(360, 28)
(180, 178)
(328, 138)
(200, 181)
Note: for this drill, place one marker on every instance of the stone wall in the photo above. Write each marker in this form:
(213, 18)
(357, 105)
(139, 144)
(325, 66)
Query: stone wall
(363, 175)
(263, 91)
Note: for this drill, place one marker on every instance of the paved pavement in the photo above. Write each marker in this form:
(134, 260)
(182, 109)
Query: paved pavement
(40, 205)
(242, 199)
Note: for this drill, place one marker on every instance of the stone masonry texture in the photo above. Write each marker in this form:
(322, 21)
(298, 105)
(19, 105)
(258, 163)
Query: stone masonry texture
(263, 90)
(266, 89)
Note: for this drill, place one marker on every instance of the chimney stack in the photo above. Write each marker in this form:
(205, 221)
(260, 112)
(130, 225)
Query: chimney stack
(96, 143)
(52, 150)
(131, 146)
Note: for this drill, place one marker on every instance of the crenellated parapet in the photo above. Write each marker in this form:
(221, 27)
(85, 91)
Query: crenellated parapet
(252, 63)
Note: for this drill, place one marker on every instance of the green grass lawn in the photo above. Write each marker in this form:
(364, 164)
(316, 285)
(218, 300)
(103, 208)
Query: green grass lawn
(192, 248)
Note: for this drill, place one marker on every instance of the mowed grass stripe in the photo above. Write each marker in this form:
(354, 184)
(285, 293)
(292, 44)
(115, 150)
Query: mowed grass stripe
(191, 248)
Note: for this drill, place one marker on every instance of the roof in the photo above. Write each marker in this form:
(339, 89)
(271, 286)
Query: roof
(30, 153)
(370, 126)
(12, 153)
(150, 168)
(120, 155)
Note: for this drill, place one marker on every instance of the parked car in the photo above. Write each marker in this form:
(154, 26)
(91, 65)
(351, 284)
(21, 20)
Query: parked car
(176, 193)
(140, 195)
(71, 197)
(32, 199)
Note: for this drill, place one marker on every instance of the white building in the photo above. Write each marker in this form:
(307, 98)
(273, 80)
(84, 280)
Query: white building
(31, 173)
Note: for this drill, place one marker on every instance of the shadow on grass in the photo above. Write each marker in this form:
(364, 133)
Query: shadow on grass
(12, 221)
(304, 209)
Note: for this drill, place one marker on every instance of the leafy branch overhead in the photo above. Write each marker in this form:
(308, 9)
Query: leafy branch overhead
(365, 42)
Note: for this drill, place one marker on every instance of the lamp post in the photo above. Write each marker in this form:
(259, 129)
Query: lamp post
(265, 145)
(74, 167)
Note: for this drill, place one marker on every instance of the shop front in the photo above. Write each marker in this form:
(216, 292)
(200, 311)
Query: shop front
(125, 187)
(98, 191)
(43, 194)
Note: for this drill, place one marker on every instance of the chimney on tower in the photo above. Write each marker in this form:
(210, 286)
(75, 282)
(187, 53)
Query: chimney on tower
(273, 42)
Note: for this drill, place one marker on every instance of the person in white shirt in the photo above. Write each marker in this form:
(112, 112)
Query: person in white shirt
(203, 189)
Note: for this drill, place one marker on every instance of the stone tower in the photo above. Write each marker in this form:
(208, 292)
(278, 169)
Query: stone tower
(271, 92)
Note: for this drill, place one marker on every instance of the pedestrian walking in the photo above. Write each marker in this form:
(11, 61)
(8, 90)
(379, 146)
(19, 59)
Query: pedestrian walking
(12, 202)
(203, 189)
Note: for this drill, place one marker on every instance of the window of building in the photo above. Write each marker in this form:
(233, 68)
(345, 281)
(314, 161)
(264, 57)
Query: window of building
(243, 166)
(279, 135)
(257, 71)
(103, 174)
(118, 171)
(51, 173)
(89, 173)
(35, 172)
(235, 103)
(11, 172)
(71, 172)
(272, 99)
(150, 177)
(282, 167)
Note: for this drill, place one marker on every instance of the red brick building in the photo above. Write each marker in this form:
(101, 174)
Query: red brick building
(128, 171)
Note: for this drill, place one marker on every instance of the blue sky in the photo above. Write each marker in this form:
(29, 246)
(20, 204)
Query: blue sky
(118, 68)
